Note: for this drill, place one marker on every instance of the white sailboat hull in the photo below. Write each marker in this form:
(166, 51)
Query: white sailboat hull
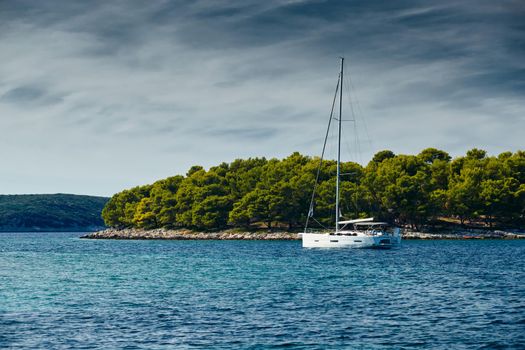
(350, 240)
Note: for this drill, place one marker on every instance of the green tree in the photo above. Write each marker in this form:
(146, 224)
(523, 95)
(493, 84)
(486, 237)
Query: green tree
(498, 197)
(257, 206)
(163, 195)
(403, 184)
(120, 209)
(144, 216)
(243, 176)
(203, 199)
(413, 190)
(463, 193)
(382, 155)
(476, 154)
(430, 155)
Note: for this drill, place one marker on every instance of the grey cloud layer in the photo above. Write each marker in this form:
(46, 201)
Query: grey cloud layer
(143, 90)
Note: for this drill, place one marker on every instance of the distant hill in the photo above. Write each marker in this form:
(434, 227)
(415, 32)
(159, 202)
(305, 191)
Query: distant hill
(51, 212)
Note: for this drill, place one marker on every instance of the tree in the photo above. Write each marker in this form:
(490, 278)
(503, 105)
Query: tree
(258, 205)
(203, 199)
(120, 209)
(243, 176)
(429, 155)
(211, 212)
(519, 197)
(412, 190)
(404, 185)
(476, 153)
(463, 194)
(382, 155)
(144, 216)
(163, 195)
(498, 197)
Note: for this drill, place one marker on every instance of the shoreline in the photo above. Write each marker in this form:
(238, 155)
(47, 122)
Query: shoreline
(184, 234)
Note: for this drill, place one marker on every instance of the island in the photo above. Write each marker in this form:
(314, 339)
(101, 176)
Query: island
(51, 212)
(430, 195)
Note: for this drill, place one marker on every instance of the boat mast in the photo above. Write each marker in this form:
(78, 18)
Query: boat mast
(339, 147)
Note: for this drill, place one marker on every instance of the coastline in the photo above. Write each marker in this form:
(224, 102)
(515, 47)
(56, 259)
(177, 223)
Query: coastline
(184, 234)
(464, 234)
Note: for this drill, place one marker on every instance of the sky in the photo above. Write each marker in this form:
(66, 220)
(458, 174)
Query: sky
(99, 96)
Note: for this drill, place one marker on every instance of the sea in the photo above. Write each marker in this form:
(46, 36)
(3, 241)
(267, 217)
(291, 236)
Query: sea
(58, 291)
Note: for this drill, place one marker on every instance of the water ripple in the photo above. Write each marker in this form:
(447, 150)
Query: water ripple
(60, 292)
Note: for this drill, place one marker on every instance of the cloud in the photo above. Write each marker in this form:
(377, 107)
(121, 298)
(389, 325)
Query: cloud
(21, 94)
(99, 96)
(248, 134)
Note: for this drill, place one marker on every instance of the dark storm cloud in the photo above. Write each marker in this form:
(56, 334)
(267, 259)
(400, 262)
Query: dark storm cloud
(488, 37)
(121, 82)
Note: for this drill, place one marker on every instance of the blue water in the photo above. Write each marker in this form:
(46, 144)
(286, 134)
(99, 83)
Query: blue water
(60, 292)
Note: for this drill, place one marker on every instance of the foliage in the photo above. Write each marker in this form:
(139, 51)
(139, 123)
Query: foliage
(50, 212)
(412, 190)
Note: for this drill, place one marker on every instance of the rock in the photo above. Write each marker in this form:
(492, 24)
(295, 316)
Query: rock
(184, 234)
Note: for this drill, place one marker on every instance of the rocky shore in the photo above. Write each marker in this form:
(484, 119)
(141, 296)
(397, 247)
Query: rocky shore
(263, 235)
(465, 234)
(188, 234)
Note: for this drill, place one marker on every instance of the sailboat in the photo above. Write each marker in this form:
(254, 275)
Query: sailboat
(357, 233)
